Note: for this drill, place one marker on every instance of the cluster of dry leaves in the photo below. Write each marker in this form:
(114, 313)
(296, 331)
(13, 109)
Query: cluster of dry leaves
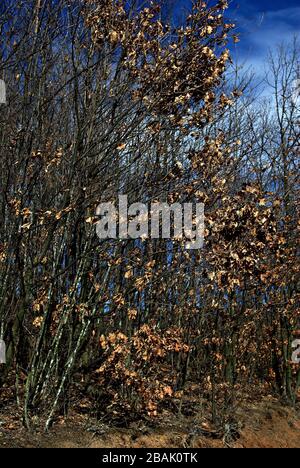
(115, 99)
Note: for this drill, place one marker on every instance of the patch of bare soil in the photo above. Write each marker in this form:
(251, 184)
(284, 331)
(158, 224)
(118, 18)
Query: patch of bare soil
(262, 425)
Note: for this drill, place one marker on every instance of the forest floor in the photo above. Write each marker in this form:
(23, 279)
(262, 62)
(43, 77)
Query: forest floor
(266, 424)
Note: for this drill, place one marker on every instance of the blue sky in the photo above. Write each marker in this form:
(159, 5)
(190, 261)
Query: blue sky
(262, 25)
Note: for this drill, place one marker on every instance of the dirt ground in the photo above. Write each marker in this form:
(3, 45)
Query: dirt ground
(267, 424)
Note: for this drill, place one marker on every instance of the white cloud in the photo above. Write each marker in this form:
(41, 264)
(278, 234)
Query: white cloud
(264, 32)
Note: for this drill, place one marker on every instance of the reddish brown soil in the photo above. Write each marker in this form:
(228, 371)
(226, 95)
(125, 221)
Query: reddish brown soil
(262, 425)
